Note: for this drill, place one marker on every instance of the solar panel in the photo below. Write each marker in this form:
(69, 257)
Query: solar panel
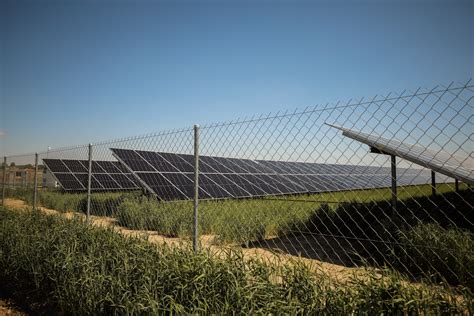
(170, 176)
(439, 161)
(72, 175)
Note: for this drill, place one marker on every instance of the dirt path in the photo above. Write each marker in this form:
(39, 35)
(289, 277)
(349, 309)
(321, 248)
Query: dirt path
(337, 272)
(7, 309)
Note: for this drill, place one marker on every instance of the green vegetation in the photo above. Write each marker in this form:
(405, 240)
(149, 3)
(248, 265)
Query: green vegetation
(426, 237)
(102, 203)
(447, 253)
(62, 202)
(168, 219)
(372, 232)
(20, 193)
(76, 268)
(363, 220)
(230, 220)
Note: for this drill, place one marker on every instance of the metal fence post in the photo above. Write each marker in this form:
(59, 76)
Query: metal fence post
(4, 186)
(196, 187)
(89, 178)
(35, 189)
(394, 183)
(433, 183)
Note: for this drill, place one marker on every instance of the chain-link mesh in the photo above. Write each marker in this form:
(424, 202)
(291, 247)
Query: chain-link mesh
(429, 234)
(327, 198)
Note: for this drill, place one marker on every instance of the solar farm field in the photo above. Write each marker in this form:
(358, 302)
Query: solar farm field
(256, 223)
(338, 209)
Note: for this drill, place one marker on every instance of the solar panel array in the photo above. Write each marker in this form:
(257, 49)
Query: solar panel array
(442, 162)
(170, 176)
(106, 175)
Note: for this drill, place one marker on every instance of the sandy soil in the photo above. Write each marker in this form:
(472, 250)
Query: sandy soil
(7, 309)
(276, 251)
(15, 203)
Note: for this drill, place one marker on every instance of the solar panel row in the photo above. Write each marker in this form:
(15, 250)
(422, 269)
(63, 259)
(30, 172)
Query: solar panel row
(170, 176)
(106, 175)
(446, 163)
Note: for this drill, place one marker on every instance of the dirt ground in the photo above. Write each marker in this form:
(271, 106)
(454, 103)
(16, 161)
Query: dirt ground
(8, 309)
(270, 254)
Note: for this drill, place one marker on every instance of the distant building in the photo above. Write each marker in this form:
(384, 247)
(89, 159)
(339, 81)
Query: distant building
(24, 177)
(21, 177)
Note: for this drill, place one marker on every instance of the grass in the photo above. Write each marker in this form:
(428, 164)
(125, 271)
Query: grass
(80, 269)
(142, 213)
(440, 252)
(102, 203)
(242, 221)
(430, 237)
(20, 193)
(237, 221)
(374, 234)
(362, 219)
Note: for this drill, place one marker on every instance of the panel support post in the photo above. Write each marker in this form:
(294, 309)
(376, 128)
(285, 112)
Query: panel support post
(456, 185)
(4, 185)
(35, 189)
(433, 183)
(89, 179)
(196, 187)
(394, 183)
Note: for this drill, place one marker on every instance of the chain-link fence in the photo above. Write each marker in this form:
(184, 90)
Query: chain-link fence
(286, 184)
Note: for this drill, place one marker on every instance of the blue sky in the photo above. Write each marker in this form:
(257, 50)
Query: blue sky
(74, 72)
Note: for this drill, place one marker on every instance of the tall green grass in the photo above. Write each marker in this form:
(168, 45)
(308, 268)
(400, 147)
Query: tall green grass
(173, 220)
(20, 193)
(441, 253)
(242, 221)
(79, 269)
(427, 236)
(230, 221)
(359, 215)
(102, 203)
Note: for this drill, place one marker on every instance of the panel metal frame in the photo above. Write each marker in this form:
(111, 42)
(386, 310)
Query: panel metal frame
(388, 147)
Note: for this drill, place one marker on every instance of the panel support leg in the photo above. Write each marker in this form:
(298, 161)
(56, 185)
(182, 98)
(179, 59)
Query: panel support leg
(433, 183)
(456, 185)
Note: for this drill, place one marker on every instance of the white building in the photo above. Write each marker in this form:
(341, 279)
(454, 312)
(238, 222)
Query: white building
(49, 181)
